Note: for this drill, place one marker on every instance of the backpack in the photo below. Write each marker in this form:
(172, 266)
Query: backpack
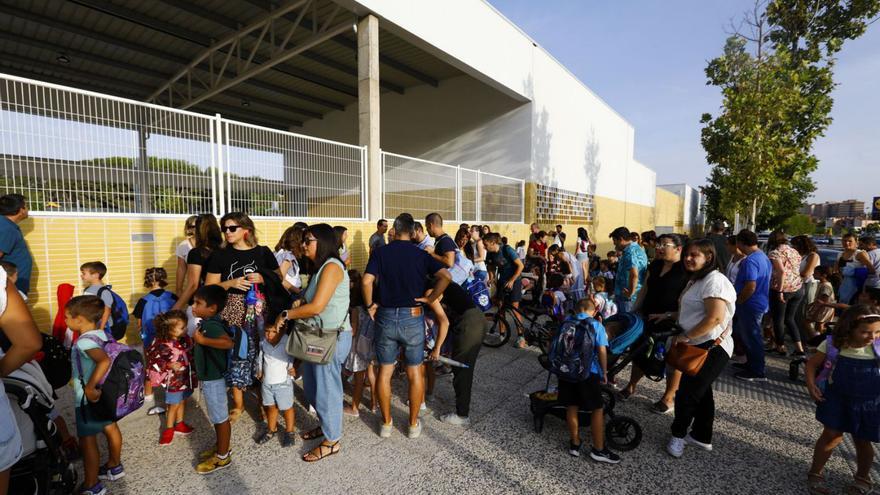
(119, 313)
(122, 388)
(155, 305)
(479, 293)
(823, 376)
(463, 268)
(571, 350)
(53, 359)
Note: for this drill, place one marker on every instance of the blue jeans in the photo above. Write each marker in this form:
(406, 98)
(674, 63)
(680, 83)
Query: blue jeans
(624, 304)
(748, 326)
(395, 328)
(322, 384)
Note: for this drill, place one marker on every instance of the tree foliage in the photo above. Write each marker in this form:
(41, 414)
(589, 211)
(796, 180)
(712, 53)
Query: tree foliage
(799, 225)
(776, 83)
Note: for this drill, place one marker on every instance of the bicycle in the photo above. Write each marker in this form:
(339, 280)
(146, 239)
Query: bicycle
(538, 332)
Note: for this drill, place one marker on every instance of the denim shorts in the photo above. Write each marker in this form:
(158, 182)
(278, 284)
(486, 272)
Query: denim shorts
(172, 398)
(278, 394)
(396, 328)
(214, 392)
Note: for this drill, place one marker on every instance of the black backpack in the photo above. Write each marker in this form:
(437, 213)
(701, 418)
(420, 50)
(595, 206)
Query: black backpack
(53, 358)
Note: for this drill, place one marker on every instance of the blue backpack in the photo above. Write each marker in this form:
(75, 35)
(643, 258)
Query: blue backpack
(119, 313)
(155, 305)
(572, 349)
(479, 293)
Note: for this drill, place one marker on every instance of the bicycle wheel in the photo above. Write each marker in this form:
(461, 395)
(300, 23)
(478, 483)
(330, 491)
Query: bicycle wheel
(499, 330)
(623, 433)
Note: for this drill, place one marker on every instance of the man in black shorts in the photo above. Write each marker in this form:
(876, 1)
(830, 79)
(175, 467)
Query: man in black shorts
(509, 282)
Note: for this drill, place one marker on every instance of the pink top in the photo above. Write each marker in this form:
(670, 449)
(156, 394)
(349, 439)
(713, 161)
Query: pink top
(790, 279)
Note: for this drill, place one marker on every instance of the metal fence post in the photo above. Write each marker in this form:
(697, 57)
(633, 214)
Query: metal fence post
(458, 197)
(479, 195)
(220, 170)
(522, 202)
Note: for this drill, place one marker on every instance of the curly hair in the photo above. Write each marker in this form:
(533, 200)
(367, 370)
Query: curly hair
(849, 321)
(164, 323)
(155, 275)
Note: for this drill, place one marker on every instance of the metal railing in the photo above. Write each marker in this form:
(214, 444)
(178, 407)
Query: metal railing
(73, 152)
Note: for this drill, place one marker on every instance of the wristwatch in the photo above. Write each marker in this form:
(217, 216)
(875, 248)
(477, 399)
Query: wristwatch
(284, 315)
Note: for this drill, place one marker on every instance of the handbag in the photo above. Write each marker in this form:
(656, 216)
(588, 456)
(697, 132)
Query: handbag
(309, 341)
(688, 358)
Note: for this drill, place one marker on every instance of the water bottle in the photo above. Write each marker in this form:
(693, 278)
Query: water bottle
(660, 353)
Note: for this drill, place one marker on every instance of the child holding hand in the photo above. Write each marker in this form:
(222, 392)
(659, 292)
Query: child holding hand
(847, 393)
(168, 364)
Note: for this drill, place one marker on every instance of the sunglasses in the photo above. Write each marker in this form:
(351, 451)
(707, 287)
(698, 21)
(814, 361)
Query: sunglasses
(230, 228)
(308, 240)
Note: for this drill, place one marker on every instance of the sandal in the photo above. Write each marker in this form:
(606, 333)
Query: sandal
(860, 486)
(313, 434)
(816, 484)
(323, 450)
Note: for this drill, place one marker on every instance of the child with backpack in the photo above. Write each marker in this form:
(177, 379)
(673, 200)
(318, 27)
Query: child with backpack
(605, 306)
(578, 357)
(213, 344)
(168, 362)
(115, 317)
(156, 302)
(843, 377)
(83, 315)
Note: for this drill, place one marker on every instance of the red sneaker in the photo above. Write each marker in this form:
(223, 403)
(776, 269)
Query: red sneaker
(167, 436)
(182, 429)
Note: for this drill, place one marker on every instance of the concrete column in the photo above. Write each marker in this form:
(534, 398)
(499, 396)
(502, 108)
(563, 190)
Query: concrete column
(368, 110)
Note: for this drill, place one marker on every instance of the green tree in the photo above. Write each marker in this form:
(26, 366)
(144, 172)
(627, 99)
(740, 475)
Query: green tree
(799, 225)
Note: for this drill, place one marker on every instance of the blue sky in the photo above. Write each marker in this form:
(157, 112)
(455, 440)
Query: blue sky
(646, 59)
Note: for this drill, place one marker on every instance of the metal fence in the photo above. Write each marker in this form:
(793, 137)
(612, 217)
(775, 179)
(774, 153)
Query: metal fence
(71, 151)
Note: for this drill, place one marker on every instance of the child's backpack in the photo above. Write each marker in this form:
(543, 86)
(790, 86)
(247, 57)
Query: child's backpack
(479, 293)
(463, 269)
(823, 376)
(122, 388)
(119, 313)
(53, 359)
(571, 350)
(154, 306)
(555, 308)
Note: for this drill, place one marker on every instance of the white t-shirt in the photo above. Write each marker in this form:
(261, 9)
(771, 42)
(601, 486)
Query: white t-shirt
(274, 362)
(183, 249)
(732, 270)
(873, 281)
(692, 311)
(292, 276)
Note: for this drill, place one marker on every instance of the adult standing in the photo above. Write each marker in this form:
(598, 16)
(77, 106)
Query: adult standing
(208, 239)
(719, 240)
(401, 270)
(20, 329)
(182, 251)
(631, 269)
(582, 250)
(575, 271)
(657, 303)
(869, 245)
(752, 302)
(705, 315)
(736, 257)
(342, 241)
(854, 266)
(13, 248)
(649, 243)
(559, 237)
(809, 261)
(444, 246)
(422, 239)
(786, 292)
(377, 240)
(467, 330)
(288, 252)
(481, 272)
(237, 267)
(327, 296)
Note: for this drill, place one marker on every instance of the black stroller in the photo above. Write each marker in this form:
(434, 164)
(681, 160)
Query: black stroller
(44, 467)
(621, 432)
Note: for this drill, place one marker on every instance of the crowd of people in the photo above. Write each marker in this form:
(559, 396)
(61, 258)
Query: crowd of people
(245, 317)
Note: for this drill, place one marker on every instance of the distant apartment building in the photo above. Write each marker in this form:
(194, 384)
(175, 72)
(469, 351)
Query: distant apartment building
(850, 208)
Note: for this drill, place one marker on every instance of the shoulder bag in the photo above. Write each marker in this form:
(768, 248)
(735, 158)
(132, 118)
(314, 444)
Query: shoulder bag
(309, 341)
(689, 358)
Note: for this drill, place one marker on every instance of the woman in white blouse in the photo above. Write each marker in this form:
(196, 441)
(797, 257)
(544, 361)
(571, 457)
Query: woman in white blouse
(705, 314)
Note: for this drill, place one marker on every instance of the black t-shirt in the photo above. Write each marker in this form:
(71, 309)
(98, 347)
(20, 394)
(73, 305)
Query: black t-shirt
(402, 270)
(197, 257)
(444, 244)
(664, 290)
(233, 263)
(139, 307)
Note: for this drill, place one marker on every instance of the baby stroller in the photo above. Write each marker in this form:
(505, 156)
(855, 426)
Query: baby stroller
(43, 467)
(621, 432)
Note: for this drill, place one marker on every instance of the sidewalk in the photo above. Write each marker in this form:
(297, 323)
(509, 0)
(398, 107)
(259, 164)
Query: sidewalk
(763, 444)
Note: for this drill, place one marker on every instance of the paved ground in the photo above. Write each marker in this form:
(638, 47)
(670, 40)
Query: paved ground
(763, 444)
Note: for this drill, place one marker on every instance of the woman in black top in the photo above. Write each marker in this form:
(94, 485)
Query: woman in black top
(236, 267)
(207, 240)
(657, 301)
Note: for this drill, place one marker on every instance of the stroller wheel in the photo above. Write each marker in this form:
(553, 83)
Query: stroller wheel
(623, 433)
(609, 400)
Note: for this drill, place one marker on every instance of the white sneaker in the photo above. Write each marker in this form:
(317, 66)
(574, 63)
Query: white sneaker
(385, 430)
(675, 447)
(455, 419)
(415, 431)
(705, 446)
(422, 409)
(155, 410)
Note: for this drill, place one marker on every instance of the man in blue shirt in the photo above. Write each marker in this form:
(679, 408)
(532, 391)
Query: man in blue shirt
(14, 210)
(400, 271)
(753, 300)
(631, 269)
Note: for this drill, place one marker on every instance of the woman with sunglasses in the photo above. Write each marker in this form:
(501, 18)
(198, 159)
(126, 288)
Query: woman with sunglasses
(327, 296)
(183, 249)
(237, 268)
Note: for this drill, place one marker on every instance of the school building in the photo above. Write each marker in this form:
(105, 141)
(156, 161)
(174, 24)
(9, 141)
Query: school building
(120, 118)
